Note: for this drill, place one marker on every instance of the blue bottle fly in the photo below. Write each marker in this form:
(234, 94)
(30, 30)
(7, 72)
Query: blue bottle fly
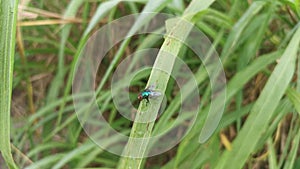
(148, 93)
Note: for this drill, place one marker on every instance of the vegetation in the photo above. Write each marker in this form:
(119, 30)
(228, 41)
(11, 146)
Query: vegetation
(257, 43)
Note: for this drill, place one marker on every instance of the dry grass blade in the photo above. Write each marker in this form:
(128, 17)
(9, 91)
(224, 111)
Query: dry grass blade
(48, 22)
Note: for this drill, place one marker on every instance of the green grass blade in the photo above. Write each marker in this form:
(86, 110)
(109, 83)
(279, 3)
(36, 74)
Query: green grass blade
(298, 75)
(58, 80)
(8, 16)
(272, 155)
(46, 162)
(234, 85)
(73, 154)
(263, 109)
(159, 78)
(148, 13)
(101, 11)
(239, 28)
(294, 97)
(291, 158)
(214, 115)
(171, 47)
(197, 6)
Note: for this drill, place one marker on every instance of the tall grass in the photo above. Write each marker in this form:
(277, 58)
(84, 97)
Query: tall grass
(258, 44)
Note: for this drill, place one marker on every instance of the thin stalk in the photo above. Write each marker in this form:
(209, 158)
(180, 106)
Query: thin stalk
(26, 72)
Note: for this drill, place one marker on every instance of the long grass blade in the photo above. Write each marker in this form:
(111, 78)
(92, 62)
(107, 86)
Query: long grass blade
(8, 16)
(294, 97)
(171, 47)
(263, 109)
(291, 158)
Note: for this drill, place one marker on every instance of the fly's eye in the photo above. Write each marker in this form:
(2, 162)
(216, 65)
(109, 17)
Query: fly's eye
(140, 97)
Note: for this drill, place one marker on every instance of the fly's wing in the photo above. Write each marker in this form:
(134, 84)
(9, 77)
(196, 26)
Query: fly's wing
(151, 87)
(154, 94)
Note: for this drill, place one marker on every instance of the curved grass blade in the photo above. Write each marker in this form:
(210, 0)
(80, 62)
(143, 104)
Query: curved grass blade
(214, 116)
(263, 109)
(234, 85)
(238, 29)
(101, 11)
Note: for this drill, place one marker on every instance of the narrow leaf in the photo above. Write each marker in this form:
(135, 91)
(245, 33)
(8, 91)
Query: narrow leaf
(8, 16)
(294, 97)
(263, 109)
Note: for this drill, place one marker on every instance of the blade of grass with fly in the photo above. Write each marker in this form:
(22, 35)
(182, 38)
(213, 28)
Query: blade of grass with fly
(242, 77)
(8, 16)
(177, 31)
(263, 109)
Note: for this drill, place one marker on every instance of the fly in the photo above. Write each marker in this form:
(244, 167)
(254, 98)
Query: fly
(148, 93)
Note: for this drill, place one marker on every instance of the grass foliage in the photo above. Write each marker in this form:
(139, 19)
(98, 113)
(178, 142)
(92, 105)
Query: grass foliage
(258, 45)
